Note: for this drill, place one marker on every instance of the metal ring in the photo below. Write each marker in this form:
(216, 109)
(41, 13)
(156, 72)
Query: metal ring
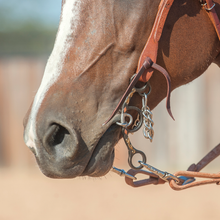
(123, 122)
(209, 9)
(147, 134)
(131, 155)
(132, 151)
(203, 4)
(142, 89)
(143, 94)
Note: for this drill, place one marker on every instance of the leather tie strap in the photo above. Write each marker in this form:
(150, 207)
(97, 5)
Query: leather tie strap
(147, 60)
(151, 47)
(167, 77)
(148, 63)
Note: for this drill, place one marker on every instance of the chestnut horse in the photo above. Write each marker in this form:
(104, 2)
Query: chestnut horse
(96, 52)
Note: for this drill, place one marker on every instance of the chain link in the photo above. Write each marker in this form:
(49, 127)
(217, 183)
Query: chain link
(148, 130)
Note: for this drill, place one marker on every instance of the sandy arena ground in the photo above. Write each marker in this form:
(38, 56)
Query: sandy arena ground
(29, 195)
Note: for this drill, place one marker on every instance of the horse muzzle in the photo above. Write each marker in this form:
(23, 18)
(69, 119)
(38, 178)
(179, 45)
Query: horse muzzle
(62, 152)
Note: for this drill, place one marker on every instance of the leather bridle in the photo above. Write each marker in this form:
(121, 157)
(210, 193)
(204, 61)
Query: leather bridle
(148, 57)
(146, 66)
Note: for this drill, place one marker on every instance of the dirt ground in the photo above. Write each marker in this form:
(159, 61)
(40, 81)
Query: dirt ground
(29, 195)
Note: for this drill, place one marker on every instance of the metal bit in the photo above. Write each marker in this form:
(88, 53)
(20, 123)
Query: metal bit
(123, 173)
(163, 175)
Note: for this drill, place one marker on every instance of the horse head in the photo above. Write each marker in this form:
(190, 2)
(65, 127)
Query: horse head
(95, 54)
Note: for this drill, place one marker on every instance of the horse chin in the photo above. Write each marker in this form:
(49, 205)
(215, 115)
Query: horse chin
(102, 158)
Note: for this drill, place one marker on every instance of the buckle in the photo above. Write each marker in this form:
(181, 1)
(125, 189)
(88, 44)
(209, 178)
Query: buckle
(205, 6)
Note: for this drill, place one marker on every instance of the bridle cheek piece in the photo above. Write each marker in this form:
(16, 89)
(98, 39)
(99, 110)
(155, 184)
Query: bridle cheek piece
(146, 66)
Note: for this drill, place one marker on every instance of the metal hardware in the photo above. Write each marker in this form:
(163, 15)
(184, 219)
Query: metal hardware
(125, 107)
(148, 130)
(203, 4)
(123, 173)
(187, 180)
(209, 9)
(144, 116)
(163, 175)
(182, 179)
(123, 122)
(138, 122)
(141, 89)
(132, 151)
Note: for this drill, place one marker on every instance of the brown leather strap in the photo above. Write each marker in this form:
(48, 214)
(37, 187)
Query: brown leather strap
(150, 50)
(167, 77)
(148, 58)
(214, 153)
(210, 179)
(146, 65)
(155, 180)
(193, 171)
(151, 47)
(210, 8)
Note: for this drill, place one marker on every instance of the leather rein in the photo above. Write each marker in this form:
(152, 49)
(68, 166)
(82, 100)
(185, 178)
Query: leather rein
(146, 66)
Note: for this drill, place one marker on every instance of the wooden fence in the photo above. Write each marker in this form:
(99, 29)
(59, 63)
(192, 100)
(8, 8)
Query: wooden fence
(196, 108)
(19, 78)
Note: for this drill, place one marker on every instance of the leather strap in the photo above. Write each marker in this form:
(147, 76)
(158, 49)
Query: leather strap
(167, 77)
(192, 172)
(147, 60)
(151, 47)
(146, 65)
(213, 154)
(210, 8)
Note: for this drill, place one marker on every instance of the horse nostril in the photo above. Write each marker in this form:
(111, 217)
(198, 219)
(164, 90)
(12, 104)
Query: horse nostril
(58, 135)
(55, 136)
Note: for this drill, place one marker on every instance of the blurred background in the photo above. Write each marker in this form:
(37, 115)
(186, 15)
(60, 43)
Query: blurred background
(27, 33)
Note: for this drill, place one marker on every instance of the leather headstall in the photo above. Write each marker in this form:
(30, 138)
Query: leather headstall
(147, 61)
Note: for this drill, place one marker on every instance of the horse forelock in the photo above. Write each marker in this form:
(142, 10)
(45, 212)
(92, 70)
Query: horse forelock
(68, 23)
